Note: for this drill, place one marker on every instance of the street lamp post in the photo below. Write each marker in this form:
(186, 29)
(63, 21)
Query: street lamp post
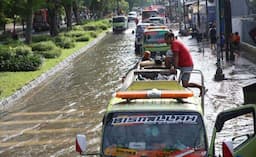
(219, 76)
(207, 19)
(170, 9)
(117, 7)
(198, 14)
(184, 15)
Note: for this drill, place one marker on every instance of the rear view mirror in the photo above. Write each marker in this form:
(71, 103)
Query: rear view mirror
(81, 143)
(227, 149)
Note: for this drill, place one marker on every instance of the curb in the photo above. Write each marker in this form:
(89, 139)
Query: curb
(7, 102)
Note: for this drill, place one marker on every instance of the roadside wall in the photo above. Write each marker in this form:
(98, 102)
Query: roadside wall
(248, 51)
(7, 102)
(244, 26)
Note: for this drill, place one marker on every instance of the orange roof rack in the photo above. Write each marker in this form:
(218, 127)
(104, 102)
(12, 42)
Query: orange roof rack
(154, 93)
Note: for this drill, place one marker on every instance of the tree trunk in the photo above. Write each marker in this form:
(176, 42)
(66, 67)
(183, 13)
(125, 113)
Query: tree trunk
(54, 30)
(28, 35)
(75, 10)
(68, 11)
(4, 25)
(14, 25)
(23, 24)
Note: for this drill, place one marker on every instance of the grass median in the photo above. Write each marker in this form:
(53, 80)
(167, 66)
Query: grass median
(10, 82)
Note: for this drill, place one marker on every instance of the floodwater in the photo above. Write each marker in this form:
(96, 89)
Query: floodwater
(46, 120)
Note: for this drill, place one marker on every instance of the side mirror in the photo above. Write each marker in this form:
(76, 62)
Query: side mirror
(227, 149)
(80, 143)
(132, 31)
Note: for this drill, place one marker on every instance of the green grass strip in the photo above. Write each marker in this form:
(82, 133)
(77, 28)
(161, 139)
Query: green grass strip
(10, 82)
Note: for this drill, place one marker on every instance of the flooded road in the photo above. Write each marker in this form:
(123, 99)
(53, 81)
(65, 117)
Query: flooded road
(46, 120)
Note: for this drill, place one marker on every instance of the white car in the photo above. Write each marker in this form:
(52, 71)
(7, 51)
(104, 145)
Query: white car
(132, 16)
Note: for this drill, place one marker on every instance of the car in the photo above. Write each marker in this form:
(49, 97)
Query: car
(153, 40)
(120, 23)
(132, 16)
(158, 20)
(139, 36)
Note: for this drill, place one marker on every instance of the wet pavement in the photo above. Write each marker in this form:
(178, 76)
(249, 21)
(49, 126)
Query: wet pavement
(46, 120)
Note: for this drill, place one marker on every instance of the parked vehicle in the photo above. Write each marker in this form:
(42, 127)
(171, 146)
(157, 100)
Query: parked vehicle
(120, 23)
(153, 40)
(41, 20)
(146, 14)
(139, 36)
(132, 16)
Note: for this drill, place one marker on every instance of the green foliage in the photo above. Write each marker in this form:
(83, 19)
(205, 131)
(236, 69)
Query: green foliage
(6, 53)
(23, 51)
(43, 46)
(40, 38)
(47, 49)
(74, 34)
(93, 34)
(5, 36)
(103, 26)
(25, 63)
(85, 37)
(90, 27)
(64, 42)
(77, 28)
(20, 58)
(53, 53)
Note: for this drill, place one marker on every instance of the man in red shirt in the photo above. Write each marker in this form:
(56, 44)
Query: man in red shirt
(182, 60)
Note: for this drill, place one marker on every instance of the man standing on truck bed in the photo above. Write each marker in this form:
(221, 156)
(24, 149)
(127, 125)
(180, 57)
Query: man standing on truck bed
(182, 60)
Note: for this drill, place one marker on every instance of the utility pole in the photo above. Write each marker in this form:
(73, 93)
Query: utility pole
(117, 7)
(219, 76)
(207, 19)
(184, 15)
(170, 9)
(198, 14)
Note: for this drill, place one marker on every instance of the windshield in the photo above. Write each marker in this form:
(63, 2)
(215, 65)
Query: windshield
(132, 14)
(148, 14)
(154, 134)
(157, 21)
(154, 37)
(119, 19)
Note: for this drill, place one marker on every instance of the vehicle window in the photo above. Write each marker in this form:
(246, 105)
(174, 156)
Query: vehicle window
(148, 14)
(240, 129)
(161, 132)
(119, 19)
(154, 37)
(157, 21)
(161, 10)
(132, 14)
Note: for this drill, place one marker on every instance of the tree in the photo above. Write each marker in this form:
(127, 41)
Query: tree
(131, 4)
(30, 6)
(67, 4)
(75, 10)
(53, 8)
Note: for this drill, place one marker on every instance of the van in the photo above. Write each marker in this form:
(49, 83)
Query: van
(120, 23)
(153, 40)
(160, 118)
